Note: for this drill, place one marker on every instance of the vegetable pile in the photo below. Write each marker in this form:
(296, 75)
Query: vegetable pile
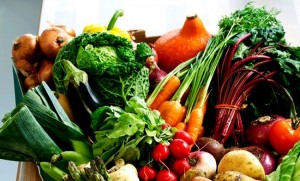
(226, 108)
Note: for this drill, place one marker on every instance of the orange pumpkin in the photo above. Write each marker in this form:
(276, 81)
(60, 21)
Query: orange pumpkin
(179, 45)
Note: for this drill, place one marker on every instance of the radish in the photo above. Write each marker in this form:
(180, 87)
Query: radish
(204, 161)
(179, 148)
(147, 173)
(161, 152)
(166, 175)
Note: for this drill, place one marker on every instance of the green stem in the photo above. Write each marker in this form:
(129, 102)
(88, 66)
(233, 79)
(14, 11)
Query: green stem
(113, 20)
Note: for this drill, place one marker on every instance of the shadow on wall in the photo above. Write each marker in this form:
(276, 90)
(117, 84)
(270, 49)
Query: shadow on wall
(16, 18)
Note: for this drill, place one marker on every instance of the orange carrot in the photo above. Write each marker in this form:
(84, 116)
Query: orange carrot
(166, 92)
(172, 112)
(195, 123)
(202, 132)
(181, 126)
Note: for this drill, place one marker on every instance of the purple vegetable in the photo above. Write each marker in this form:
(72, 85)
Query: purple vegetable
(257, 133)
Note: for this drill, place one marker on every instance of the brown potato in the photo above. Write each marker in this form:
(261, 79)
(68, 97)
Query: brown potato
(192, 173)
(232, 176)
(242, 161)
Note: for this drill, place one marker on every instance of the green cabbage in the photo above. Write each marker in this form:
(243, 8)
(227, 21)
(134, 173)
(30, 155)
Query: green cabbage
(115, 69)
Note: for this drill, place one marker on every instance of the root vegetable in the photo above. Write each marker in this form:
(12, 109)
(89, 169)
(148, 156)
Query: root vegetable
(242, 161)
(211, 146)
(45, 71)
(232, 176)
(52, 40)
(192, 173)
(198, 178)
(266, 157)
(25, 67)
(166, 175)
(203, 161)
(123, 172)
(31, 81)
(25, 47)
(67, 29)
(155, 73)
(257, 133)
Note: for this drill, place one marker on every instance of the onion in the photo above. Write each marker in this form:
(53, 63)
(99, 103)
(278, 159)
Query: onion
(45, 71)
(25, 67)
(155, 73)
(31, 81)
(25, 47)
(265, 156)
(257, 133)
(67, 29)
(52, 40)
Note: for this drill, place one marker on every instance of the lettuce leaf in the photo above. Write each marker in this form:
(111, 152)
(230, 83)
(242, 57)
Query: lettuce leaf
(133, 130)
(286, 169)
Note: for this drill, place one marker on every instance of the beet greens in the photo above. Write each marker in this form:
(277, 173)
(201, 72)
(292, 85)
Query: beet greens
(257, 55)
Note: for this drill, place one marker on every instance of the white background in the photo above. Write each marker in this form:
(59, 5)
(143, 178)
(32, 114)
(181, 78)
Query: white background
(156, 17)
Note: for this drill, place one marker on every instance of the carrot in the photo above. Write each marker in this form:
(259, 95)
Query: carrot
(181, 126)
(202, 132)
(172, 112)
(166, 92)
(195, 123)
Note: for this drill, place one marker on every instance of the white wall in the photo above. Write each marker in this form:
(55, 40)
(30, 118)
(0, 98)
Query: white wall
(160, 16)
(16, 17)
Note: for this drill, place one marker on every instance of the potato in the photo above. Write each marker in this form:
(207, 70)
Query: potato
(192, 173)
(242, 161)
(232, 176)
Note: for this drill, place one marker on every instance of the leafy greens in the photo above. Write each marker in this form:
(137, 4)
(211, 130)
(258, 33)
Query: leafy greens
(126, 133)
(116, 70)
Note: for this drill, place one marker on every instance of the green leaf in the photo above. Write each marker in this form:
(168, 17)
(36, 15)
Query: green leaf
(128, 124)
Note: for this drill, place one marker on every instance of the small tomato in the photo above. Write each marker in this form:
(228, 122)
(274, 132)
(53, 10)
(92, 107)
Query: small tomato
(283, 137)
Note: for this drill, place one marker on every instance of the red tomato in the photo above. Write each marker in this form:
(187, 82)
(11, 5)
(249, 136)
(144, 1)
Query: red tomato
(283, 137)
(166, 175)
(147, 173)
(180, 166)
(161, 152)
(179, 148)
(180, 134)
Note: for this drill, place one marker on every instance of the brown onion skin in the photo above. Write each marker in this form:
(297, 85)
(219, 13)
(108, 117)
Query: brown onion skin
(257, 132)
(31, 81)
(52, 40)
(67, 29)
(25, 67)
(45, 71)
(26, 47)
